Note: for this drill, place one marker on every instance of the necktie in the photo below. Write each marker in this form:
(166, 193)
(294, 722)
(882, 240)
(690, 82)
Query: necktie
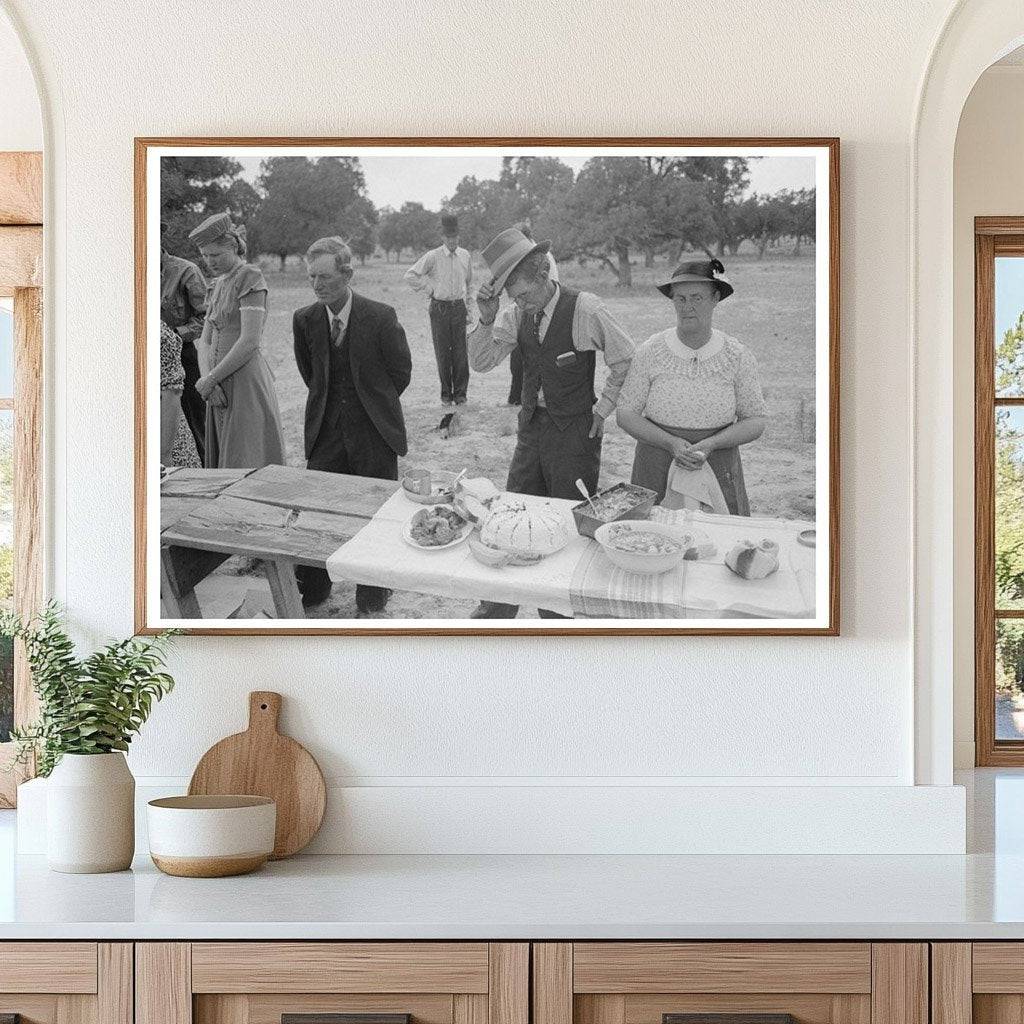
(537, 317)
(335, 331)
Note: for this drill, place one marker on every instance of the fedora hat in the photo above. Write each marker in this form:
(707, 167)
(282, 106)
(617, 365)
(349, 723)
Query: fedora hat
(212, 228)
(506, 251)
(698, 270)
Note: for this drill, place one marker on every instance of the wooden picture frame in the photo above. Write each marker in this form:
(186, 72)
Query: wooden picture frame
(993, 237)
(21, 266)
(180, 579)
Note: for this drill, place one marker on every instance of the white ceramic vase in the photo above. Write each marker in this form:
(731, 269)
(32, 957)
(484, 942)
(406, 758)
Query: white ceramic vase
(90, 814)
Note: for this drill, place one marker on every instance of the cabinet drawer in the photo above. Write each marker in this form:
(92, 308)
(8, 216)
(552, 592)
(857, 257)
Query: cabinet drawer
(751, 982)
(636, 967)
(261, 982)
(340, 967)
(48, 967)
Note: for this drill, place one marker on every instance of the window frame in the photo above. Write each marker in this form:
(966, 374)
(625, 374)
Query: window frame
(993, 237)
(21, 263)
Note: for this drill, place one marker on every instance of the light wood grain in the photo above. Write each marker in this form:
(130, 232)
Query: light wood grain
(224, 1009)
(34, 1009)
(851, 1009)
(76, 1010)
(997, 1009)
(21, 188)
(27, 499)
(998, 967)
(268, 1008)
(599, 1009)
(115, 996)
(262, 762)
(21, 258)
(468, 1008)
(339, 967)
(806, 1008)
(552, 983)
(509, 983)
(722, 967)
(899, 990)
(951, 983)
(48, 967)
(163, 983)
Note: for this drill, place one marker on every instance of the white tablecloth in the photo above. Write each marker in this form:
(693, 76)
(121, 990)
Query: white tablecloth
(580, 580)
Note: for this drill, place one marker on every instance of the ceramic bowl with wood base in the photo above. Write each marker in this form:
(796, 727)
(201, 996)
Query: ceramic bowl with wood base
(211, 836)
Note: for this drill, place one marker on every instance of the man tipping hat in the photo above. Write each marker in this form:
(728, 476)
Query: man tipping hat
(558, 331)
(446, 275)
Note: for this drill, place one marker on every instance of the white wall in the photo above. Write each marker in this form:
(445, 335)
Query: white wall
(988, 181)
(21, 124)
(442, 713)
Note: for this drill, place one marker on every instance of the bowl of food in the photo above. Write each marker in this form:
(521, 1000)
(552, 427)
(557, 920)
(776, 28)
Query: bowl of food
(429, 486)
(436, 528)
(623, 501)
(641, 546)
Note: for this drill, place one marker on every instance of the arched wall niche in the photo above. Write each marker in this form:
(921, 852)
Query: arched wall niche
(975, 35)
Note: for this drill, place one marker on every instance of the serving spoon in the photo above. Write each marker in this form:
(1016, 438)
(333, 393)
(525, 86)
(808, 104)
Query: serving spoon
(582, 488)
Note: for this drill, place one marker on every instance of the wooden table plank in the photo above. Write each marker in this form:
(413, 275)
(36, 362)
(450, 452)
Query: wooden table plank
(199, 483)
(173, 510)
(309, 490)
(241, 527)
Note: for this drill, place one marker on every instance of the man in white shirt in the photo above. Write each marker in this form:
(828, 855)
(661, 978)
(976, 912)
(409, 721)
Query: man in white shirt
(446, 275)
(559, 331)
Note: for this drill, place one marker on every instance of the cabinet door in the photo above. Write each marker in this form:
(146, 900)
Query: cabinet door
(314, 982)
(66, 982)
(981, 982)
(749, 982)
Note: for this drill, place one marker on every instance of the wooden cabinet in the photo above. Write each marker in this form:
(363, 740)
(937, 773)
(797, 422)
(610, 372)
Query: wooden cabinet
(980, 982)
(815, 982)
(66, 982)
(259, 982)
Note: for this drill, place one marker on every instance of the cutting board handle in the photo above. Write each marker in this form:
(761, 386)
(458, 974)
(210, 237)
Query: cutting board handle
(264, 710)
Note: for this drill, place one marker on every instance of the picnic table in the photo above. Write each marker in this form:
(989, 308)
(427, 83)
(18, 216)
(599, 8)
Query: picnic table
(352, 527)
(281, 515)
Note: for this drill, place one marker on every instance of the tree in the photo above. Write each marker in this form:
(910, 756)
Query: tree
(763, 219)
(191, 189)
(1009, 470)
(803, 216)
(305, 200)
(483, 207)
(725, 180)
(621, 203)
(389, 233)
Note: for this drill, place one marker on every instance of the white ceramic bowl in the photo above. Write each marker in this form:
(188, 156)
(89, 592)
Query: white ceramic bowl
(643, 562)
(211, 836)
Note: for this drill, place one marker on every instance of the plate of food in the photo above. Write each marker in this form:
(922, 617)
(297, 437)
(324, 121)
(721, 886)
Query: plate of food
(436, 528)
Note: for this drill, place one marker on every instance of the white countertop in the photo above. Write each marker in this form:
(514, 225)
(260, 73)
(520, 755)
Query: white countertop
(532, 897)
(977, 896)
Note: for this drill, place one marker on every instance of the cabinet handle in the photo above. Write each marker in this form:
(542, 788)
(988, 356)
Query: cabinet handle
(728, 1018)
(338, 1018)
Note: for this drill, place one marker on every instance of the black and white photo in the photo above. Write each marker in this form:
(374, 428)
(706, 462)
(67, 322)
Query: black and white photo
(403, 386)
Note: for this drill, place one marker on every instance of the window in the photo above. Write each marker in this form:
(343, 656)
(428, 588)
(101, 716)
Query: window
(999, 491)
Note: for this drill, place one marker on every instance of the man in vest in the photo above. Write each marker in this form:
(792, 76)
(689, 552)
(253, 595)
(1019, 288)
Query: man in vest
(559, 332)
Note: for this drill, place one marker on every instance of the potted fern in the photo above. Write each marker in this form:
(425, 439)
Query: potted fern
(89, 710)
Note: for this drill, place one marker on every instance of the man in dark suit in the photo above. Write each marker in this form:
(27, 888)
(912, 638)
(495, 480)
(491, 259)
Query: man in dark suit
(353, 356)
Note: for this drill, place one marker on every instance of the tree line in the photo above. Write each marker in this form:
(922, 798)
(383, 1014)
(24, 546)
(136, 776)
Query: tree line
(612, 210)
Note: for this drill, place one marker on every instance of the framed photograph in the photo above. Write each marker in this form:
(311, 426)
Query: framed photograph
(487, 386)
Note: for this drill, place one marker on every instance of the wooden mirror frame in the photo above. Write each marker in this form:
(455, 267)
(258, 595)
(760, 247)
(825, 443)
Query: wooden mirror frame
(21, 277)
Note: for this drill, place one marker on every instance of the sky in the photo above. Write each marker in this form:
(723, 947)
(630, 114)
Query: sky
(1009, 292)
(427, 179)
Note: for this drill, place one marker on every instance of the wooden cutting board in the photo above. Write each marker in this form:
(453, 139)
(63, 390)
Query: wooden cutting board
(262, 762)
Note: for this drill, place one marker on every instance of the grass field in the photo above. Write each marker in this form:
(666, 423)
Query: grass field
(772, 312)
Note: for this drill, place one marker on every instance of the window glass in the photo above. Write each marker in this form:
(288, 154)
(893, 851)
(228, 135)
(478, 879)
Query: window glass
(1009, 327)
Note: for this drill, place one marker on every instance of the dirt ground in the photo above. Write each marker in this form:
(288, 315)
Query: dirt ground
(772, 312)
